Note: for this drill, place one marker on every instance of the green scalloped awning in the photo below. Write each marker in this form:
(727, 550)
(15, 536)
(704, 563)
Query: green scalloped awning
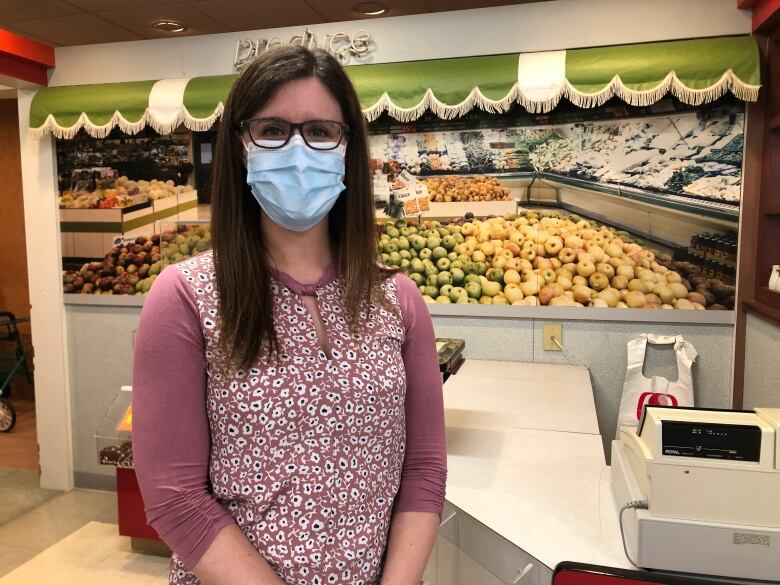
(695, 71)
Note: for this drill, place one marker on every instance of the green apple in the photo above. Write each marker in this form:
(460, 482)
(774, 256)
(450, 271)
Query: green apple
(473, 289)
(443, 264)
(443, 278)
(439, 252)
(458, 276)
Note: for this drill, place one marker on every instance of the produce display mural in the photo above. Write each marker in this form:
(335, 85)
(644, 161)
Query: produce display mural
(542, 256)
(696, 153)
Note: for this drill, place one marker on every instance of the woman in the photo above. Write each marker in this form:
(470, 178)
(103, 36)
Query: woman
(288, 417)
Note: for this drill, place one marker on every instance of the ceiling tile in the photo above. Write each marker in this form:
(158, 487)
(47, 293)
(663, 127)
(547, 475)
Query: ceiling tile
(15, 10)
(101, 5)
(239, 15)
(139, 20)
(79, 29)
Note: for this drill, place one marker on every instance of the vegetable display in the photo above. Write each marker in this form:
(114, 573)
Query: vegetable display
(543, 259)
(478, 188)
(533, 258)
(122, 193)
(133, 268)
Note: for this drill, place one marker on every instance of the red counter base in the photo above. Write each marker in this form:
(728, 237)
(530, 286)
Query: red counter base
(132, 518)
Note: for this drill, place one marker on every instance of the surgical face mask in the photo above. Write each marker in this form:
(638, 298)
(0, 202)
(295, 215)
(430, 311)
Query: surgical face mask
(296, 186)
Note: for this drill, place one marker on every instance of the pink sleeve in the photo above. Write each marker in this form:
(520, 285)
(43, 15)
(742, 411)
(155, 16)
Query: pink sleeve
(424, 472)
(171, 439)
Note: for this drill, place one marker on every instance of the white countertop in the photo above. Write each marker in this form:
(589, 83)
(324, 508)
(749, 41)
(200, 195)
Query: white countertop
(524, 460)
(527, 396)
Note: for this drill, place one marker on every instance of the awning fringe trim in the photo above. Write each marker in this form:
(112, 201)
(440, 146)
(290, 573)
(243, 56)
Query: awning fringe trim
(50, 125)
(670, 84)
(429, 102)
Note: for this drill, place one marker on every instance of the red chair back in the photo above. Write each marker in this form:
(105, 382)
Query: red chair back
(568, 573)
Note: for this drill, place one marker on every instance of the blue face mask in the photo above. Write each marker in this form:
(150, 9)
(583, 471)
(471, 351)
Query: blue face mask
(296, 186)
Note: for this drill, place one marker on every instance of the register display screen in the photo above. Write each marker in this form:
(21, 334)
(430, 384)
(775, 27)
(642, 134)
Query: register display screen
(711, 440)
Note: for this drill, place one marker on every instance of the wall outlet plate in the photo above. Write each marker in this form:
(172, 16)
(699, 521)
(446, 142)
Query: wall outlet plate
(550, 330)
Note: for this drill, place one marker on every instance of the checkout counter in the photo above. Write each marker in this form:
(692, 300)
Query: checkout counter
(528, 485)
(529, 490)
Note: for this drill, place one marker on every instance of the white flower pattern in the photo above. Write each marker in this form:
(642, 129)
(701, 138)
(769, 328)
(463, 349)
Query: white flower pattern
(307, 453)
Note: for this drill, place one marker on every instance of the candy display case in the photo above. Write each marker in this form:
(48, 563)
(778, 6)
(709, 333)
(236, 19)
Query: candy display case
(114, 436)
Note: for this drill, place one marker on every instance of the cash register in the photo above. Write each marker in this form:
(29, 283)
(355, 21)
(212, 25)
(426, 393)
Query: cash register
(699, 491)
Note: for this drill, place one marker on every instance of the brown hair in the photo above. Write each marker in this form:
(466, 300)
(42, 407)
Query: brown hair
(245, 300)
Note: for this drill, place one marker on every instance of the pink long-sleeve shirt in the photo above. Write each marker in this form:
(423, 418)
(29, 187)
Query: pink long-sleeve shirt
(310, 456)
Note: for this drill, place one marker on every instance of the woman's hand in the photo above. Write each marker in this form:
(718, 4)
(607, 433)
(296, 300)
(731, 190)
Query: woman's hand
(412, 535)
(232, 560)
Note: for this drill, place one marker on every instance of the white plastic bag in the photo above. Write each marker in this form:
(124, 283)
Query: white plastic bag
(639, 391)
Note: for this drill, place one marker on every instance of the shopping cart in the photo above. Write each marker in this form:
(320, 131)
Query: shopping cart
(11, 351)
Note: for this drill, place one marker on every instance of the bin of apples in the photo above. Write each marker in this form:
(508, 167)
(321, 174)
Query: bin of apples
(537, 259)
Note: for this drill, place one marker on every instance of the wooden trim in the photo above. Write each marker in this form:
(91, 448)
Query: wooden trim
(762, 309)
(773, 209)
(769, 298)
(766, 14)
(748, 235)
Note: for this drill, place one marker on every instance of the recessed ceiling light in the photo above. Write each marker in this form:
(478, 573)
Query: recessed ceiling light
(170, 26)
(370, 8)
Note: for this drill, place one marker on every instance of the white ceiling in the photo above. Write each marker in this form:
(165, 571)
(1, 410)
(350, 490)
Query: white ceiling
(85, 22)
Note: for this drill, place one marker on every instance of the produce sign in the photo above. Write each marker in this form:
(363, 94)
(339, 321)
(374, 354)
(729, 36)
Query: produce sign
(122, 193)
(543, 259)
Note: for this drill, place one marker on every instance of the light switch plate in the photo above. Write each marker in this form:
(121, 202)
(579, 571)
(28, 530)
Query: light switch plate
(550, 330)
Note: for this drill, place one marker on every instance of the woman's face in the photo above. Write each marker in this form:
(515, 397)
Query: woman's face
(299, 101)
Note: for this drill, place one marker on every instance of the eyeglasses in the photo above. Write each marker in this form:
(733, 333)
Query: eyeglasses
(275, 133)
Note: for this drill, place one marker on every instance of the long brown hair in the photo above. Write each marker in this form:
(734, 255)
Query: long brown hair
(243, 285)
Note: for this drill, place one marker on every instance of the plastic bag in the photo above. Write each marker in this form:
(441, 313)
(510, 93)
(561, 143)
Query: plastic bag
(639, 390)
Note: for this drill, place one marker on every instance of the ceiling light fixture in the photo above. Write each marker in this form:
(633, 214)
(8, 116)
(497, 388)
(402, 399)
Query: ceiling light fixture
(170, 26)
(370, 8)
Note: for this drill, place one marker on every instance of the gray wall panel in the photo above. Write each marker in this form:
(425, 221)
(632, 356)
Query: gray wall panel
(100, 344)
(762, 363)
(601, 346)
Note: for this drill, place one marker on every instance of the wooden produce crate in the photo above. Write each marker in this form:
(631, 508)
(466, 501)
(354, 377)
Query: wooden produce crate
(165, 209)
(89, 233)
(188, 205)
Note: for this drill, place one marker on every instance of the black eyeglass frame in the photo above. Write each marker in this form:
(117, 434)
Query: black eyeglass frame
(246, 125)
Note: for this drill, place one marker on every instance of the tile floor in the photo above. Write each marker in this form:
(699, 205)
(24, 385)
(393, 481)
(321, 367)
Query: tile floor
(19, 493)
(45, 526)
(95, 554)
